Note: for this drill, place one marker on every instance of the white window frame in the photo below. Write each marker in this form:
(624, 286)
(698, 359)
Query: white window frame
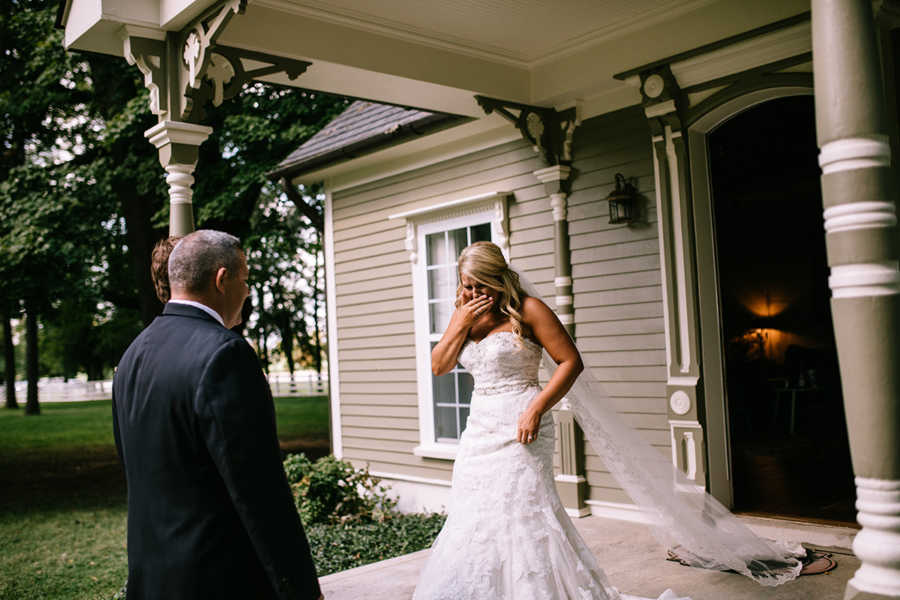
(485, 208)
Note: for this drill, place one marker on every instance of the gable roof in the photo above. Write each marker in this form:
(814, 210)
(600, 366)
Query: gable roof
(362, 128)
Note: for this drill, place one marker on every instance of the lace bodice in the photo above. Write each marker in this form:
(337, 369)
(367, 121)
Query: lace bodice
(501, 362)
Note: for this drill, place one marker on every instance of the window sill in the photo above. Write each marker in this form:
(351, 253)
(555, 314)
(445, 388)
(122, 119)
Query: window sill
(441, 451)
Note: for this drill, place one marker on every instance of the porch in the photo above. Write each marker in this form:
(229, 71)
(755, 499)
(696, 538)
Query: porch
(635, 563)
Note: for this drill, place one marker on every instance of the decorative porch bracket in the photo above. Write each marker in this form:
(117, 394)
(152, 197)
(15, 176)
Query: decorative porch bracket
(550, 132)
(547, 130)
(663, 105)
(187, 70)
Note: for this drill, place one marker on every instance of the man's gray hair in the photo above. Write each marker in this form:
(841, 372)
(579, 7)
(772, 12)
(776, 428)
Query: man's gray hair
(199, 255)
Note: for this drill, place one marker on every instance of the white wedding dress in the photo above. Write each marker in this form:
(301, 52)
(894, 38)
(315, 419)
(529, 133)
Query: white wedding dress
(507, 535)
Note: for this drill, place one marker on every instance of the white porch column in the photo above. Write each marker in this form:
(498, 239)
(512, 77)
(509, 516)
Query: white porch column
(178, 144)
(571, 482)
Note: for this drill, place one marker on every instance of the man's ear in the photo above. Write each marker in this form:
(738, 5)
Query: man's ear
(221, 274)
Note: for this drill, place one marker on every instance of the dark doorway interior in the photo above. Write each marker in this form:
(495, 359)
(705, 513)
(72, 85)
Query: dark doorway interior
(790, 455)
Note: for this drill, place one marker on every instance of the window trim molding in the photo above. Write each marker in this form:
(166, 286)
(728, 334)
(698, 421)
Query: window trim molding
(491, 208)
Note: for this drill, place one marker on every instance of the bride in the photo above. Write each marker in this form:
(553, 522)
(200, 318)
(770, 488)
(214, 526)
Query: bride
(507, 534)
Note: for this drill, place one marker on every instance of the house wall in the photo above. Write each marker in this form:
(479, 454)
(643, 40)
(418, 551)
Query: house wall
(617, 289)
(617, 283)
(374, 300)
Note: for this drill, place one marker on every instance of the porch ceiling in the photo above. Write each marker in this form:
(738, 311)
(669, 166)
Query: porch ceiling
(437, 54)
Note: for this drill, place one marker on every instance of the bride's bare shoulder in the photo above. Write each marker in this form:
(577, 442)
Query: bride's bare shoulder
(534, 309)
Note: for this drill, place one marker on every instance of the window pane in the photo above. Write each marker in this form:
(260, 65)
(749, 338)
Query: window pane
(481, 233)
(436, 248)
(439, 315)
(463, 418)
(465, 383)
(459, 239)
(445, 423)
(440, 285)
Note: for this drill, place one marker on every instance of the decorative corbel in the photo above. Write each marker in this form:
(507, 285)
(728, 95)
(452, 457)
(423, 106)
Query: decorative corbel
(187, 70)
(548, 131)
(195, 44)
(148, 54)
(662, 99)
(227, 72)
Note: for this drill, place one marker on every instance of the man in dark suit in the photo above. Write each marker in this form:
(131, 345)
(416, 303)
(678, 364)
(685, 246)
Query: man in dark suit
(210, 512)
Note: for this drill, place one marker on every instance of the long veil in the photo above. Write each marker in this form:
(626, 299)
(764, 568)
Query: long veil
(684, 517)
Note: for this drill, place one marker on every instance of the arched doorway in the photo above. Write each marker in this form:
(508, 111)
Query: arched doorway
(765, 294)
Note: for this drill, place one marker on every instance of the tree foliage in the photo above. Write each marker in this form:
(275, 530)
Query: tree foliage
(83, 198)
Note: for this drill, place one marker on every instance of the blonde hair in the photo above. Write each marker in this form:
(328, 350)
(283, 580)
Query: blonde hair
(484, 262)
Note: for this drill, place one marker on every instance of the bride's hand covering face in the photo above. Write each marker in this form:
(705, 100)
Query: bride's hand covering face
(473, 301)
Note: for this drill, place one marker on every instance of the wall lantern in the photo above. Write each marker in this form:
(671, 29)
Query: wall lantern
(622, 201)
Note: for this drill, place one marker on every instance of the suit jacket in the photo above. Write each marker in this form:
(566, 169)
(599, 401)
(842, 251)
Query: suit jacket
(210, 512)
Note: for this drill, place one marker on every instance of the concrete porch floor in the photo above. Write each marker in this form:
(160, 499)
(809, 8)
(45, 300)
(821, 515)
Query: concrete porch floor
(633, 560)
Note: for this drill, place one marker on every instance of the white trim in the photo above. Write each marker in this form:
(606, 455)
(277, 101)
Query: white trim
(177, 132)
(860, 215)
(564, 301)
(451, 214)
(577, 513)
(559, 206)
(876, 545)
(562, 281)
(410, 478)
(566, 478)
(566, 319)
(433, 211)
(554, 173)
(867, 279)
(462, 140)
(680, 402)
(437, 450)
(334, 382)
(686, 380)
(747, 54)
(667, 318)
(416, 494)
(659, 109)
(401, 31)
(680, 257)
(862, 152)
(619, 511)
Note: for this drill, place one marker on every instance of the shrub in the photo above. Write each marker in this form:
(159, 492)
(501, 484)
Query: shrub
(353, 544)
(334, 491)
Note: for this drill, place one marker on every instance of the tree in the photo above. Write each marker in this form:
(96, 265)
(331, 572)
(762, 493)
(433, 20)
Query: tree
(283, 251)
(9, 361)
(83, 198)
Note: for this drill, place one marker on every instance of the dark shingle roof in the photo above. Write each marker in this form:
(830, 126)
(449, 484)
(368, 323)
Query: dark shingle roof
(362, 128)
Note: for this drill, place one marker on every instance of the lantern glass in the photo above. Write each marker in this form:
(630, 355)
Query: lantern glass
(621, 201)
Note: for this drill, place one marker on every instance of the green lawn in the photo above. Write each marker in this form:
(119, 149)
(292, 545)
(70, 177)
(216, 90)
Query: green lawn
(62, 495)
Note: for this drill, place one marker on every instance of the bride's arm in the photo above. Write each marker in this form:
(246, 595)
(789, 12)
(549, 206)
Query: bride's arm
(551, 334)
(445, 354)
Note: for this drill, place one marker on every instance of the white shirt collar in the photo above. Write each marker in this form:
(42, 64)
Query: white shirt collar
(201, 306)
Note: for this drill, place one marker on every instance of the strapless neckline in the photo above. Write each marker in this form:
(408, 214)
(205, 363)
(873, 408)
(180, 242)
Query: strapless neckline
(482, 340)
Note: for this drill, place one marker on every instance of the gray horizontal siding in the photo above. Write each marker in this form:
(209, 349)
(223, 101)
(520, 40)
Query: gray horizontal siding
(617, 283)
(373, 284)
(617, 288)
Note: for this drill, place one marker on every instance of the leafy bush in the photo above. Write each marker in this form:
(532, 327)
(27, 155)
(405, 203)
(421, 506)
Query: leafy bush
(334, 491)
(353, 544)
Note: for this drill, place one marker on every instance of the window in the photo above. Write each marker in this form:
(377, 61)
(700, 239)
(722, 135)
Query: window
(450, 393)
(435, 237)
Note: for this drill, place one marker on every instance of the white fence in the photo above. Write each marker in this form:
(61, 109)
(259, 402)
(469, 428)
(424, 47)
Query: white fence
(306, 383)
(57, 390)
(74, 390)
